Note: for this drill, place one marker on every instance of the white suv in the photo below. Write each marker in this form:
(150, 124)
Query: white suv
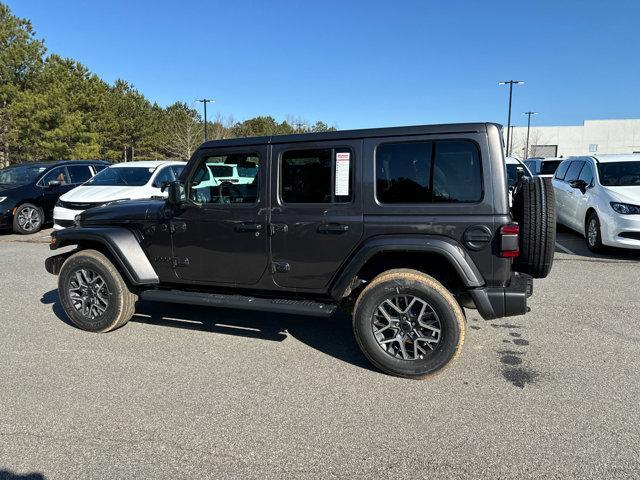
(599, 197)
(122, 181)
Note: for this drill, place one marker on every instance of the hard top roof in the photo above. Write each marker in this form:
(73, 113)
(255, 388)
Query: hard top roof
(352, 134)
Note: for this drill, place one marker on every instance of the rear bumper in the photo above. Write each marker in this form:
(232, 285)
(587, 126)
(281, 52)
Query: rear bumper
(497, 302)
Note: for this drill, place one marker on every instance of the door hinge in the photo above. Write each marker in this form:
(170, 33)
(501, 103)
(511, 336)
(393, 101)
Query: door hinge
(278, 227)
(177, 227)
(180, 262)
(280, 267)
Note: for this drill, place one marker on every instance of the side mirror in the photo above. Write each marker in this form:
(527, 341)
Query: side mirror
(579, 184)
(54, 183)
(176, 193)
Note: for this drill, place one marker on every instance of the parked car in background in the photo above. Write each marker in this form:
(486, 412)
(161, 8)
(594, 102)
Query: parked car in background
(599, 197)
(29, 191)
(515, 170)
(122, 181)
(543, 167)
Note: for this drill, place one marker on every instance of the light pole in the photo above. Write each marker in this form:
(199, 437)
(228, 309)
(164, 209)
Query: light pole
(205, 101)
(511, 83)
(526, 149)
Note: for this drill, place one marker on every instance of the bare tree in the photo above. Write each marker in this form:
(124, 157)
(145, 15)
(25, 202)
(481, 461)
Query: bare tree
(183, 131)
(220, 126)
(519, 143)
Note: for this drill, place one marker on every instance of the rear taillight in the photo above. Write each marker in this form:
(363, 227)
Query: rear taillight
(509, 241)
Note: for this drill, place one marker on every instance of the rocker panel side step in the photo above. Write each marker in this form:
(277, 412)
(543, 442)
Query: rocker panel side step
(281, 305)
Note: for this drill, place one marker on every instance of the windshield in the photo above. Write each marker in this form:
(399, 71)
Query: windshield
(20, 174)
(619, 174)
(549, 167)
(120, 176)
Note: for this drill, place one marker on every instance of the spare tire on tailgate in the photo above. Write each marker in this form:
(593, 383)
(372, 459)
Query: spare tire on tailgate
(534, 209)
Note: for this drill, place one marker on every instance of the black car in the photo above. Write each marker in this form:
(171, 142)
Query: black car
(403, 227)
(29, 191)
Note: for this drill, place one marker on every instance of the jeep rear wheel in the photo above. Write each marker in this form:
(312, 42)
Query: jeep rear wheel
(408, 324)
(535, 211)
(93, 294)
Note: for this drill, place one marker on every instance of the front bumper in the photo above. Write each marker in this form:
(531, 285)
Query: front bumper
(621, 231)
(498, 302)
(64, 217)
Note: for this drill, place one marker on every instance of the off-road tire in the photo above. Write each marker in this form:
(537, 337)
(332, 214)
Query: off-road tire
(17, 228)
(594, 245)
(418, 284)
(535, 211)
(121, 304)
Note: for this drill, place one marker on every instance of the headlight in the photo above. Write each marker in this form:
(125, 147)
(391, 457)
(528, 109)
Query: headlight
(625, 208)
(2, 199)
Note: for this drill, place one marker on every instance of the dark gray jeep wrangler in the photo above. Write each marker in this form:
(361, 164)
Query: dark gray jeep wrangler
(402, 226)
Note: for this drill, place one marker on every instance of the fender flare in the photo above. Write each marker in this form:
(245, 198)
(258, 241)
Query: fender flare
(443, 246)
(120, 242)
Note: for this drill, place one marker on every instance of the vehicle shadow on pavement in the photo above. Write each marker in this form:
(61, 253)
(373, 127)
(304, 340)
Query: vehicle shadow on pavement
(332, 336)
(7, 475)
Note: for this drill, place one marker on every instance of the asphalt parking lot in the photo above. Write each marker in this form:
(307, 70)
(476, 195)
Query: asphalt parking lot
(190, 392)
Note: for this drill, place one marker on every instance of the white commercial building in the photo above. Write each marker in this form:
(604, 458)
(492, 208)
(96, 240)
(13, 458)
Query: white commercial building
(593, 136)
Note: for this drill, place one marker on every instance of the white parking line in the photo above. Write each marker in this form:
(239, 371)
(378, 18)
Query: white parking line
(564, 249)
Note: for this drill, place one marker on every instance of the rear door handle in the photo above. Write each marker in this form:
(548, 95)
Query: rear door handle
(249, 227)
(329, 228)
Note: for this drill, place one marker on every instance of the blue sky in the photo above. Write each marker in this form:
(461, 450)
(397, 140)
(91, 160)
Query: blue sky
(361, 63)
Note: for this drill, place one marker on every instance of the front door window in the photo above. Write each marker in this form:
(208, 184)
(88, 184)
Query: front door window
(226, 179)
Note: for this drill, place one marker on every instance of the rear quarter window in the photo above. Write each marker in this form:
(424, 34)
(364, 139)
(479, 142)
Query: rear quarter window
(445, 171)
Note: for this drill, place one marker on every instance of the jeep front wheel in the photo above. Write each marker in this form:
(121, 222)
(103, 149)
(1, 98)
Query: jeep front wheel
(408, 324)
(93, 294)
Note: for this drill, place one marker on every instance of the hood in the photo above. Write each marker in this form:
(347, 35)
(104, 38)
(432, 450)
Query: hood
(629, 194)
(101, 193)
(128, 211)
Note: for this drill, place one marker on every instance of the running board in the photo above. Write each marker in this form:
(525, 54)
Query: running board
(280, 305)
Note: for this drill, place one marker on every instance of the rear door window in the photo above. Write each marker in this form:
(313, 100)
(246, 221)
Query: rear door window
(322, 175)
(79, 173)
(446, 171)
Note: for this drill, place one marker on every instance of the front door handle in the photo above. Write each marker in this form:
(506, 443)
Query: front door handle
(249, 227)
(328, 228)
